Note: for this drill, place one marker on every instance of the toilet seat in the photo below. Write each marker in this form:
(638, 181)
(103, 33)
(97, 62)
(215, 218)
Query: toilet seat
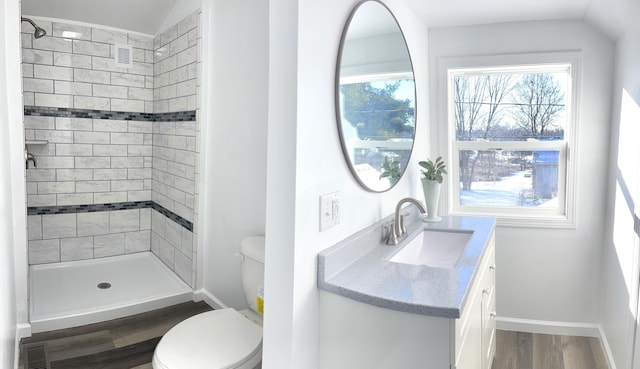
(218, 339)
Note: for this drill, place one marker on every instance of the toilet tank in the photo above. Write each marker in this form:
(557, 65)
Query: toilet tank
(252, 249)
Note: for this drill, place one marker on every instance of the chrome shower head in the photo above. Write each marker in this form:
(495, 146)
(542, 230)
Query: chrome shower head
(39, 32)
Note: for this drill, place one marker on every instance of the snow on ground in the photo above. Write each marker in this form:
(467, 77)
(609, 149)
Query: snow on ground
(510, 191)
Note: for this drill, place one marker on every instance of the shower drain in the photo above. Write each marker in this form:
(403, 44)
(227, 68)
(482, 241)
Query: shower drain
(104, 285)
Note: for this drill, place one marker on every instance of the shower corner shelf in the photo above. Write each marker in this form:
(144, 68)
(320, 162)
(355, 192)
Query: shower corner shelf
(36, 142)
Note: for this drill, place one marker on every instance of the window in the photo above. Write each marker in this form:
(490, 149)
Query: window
(511, 138)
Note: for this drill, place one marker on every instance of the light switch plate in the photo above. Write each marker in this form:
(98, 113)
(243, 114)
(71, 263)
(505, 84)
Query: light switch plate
(329, 210)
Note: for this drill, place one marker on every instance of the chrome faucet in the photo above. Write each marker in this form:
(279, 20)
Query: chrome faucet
(397, 226)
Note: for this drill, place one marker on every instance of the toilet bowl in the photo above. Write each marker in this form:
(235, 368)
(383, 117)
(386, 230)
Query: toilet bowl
(223, 338)
(217, 339)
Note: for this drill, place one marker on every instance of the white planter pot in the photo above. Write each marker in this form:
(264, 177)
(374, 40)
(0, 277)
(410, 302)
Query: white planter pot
(431, 191)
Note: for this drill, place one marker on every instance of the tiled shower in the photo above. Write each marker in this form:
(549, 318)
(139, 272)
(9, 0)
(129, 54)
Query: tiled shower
(116, 148)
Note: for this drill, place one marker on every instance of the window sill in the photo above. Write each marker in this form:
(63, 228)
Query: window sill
(523, 221)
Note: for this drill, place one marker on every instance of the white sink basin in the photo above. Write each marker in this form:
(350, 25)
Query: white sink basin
(434, 248)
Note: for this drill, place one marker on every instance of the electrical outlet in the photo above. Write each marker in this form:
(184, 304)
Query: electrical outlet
(329, 210)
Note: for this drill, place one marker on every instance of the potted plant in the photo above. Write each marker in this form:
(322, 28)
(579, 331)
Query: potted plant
(432, 176)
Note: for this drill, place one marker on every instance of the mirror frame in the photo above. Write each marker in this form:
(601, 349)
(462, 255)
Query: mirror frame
(343, 144)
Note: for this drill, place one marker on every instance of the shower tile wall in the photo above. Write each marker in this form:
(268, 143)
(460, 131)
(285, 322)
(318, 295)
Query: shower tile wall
(175, 66)
(176, 146)
(120, 159)
(72, 67)
(68, 237)
(88, 161)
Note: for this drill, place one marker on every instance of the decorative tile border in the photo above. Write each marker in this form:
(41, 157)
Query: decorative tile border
(173, 216)
(180, 116)
(94, 208)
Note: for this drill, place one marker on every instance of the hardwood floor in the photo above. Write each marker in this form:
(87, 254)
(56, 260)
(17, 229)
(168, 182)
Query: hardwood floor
(518, 350)
(118, 344)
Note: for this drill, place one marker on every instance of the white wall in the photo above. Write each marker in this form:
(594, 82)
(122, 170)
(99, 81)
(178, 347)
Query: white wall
(305, 161)
(620, 257)
(546, 274)
(13, 277)
(281, 161)
(234, 143)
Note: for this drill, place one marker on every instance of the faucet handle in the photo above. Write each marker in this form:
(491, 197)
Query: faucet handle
(392, 239)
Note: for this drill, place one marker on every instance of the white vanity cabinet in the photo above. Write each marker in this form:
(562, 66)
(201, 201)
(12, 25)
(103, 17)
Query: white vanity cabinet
(357, 335)
(475, 330)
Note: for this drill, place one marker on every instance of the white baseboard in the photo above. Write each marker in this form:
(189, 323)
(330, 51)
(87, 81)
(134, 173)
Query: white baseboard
(548, 327)
(607, 349)
(558, 328)
(22, 330)
(211, 300)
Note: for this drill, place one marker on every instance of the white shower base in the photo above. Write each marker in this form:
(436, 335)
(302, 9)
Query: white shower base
(66, 295)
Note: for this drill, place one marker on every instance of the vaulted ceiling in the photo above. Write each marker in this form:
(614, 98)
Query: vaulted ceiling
(147, 16)
(611, 16)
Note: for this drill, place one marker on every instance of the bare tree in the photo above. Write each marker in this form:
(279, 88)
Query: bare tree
(498, 87)
(469, 92)
(478, 107)
(538, 100)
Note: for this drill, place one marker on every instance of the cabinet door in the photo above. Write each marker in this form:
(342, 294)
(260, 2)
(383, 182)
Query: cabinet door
(469, 342)
(489, 309)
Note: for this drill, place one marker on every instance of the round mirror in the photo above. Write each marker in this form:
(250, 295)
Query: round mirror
(375, 97)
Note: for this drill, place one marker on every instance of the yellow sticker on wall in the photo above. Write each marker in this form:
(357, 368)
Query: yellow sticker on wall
(260, 300)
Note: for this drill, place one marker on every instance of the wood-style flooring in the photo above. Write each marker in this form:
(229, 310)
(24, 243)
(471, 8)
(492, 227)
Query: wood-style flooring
(518, 350)
(117, 344)
(128, 343)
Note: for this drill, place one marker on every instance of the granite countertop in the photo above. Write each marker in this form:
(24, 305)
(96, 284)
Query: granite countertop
(358, 268)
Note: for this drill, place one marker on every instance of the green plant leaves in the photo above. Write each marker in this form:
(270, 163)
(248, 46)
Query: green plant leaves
(434, 170)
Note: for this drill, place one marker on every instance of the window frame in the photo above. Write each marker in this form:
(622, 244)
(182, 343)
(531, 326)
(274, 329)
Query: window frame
(561, 217)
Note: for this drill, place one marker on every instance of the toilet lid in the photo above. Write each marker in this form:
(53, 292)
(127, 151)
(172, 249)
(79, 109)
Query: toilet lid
(217, 339)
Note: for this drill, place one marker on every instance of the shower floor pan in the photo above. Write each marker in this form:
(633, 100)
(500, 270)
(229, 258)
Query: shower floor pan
(75, 293)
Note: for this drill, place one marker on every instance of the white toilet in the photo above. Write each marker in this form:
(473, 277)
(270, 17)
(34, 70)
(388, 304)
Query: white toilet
(224, 338)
